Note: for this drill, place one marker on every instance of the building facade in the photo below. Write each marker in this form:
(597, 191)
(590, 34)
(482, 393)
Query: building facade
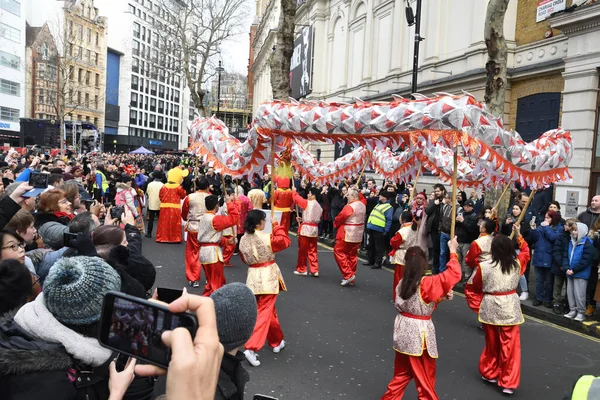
(234, 108)
(41, 82)
(149, 103)
(12, 70)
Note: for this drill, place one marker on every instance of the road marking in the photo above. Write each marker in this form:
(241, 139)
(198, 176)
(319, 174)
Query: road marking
(540, 321)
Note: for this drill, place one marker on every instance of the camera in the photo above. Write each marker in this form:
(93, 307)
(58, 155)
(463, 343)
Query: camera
(116, 212)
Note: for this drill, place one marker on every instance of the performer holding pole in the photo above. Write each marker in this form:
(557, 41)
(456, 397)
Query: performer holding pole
(454, 189)
(417, 296)
(403, 239)
(308, 232)
(522, 215)
(193, 209)
(258, 249)
(229, 234)
(500, 310)
(210, 240)
(350, 225)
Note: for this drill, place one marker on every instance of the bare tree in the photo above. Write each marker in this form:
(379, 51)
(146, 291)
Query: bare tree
(497, 56)
(193, 31)
(281, 58)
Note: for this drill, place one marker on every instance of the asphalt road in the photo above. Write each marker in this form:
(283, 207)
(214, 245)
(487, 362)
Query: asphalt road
(339, 339)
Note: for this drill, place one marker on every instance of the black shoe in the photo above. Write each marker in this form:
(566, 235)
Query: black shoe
(558, 309)
(148, 236)
(548, 304)
(536, 302)
(375, 266)
(367, 264)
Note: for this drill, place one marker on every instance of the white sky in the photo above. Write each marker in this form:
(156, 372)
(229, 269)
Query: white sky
(236, 51)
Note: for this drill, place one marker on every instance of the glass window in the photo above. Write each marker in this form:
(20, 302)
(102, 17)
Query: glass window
(80, 32)
(136, 30)
(132, 9)
(10, 87)
(41, 96)
(10, 33)
(89, 35)
(41, 71)
(97, 80)
(10, 60)
(12, 6)
(9, 114)
(97, 39)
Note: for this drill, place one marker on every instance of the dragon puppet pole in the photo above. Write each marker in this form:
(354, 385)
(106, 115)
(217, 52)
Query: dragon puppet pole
(512, 234)
(195, 173)
(413, 192)
(224, 187)
(501, 196)
(452, 227)
(272, 176)
(363, 169)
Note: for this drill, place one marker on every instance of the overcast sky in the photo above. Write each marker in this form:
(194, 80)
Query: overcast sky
(235, 52)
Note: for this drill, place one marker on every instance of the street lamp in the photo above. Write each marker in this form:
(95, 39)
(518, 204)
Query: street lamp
(219, 70)
(115, 145)
(415, 20)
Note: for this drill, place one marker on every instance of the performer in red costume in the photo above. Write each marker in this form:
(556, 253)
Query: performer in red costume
(500, 310)
(479, 251)
(350, 225)
(169, 220)
(406, 237)
(308, 232)
(229, 234)
(415, 344)
(258, 249)
(283, 201)
(210, 239)
(193, 209)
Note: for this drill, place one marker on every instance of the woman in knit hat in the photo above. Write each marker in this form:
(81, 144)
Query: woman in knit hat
(51, 340)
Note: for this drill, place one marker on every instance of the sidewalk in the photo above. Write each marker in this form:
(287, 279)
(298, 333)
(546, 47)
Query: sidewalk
(591, 326)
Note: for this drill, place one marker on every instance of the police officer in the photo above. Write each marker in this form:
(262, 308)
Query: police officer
(378, 225)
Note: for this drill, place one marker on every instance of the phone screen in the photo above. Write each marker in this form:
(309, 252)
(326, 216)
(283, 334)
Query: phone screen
(38, 180)
(168, 295)
(134, 326)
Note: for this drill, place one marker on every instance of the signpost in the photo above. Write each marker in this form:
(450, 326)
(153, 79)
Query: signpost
(572, 203)
(546, 8)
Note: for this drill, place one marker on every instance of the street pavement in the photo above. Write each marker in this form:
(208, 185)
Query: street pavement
(339, 340)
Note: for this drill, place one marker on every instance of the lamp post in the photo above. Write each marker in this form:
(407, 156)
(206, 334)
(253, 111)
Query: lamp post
(415, 20)
(115, 145)
(219, 70)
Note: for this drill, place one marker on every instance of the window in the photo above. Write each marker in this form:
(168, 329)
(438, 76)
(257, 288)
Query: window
(161, 106)
(79, 32)
(9, 114)
(9, 60)
(12, 6)
(88, 75)
(152, 104)
(10, 87)
(136, 30)
(80, 76)
(95, 104)
(87, 118)
(132, 116)
(10, 33)
(94, 58)
(160, 122)
(87, 100)
(89, 35)
(135, 65)
(134, 99)
(88, 55)
(41, 96)
(97, 39)
(71, 72)
(134, 82)
(132, 9)
(152, 121)
(41, 71)
(79, 101)
(153, 88)
(70, 27)
(96, 121)
(97, 80)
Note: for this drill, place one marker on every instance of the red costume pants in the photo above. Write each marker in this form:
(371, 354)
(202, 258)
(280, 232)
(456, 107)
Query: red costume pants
(215, 278)
(307, 250)
(228, 250)
(286, 217)
(398, 274)
(346, 256)
(192, 263)
(501, 356)
(406, 368)
(267, 324)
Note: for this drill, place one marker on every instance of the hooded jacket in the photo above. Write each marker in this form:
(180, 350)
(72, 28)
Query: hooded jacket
(51, 228)
(579, 256)
(544, 238)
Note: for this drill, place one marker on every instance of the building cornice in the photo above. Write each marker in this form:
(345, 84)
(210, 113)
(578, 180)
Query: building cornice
(578, 21)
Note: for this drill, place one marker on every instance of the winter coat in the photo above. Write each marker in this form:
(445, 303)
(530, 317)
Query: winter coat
(506, 229)
(468, 230)
(232, 378)
(544, 238)
(579, 256)
(433, 212)
(8, 209)
(558, 252)
(588, 217)
(51, 228)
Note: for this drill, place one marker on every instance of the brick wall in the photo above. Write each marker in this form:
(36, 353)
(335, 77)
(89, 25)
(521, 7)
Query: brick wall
(533, 85)
(529, 31)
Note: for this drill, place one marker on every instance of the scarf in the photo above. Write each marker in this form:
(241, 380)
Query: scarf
(61, 214)
(35, 319)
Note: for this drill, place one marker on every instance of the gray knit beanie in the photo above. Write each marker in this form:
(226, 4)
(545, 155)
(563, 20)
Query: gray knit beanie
(75, 287)
(236, 309)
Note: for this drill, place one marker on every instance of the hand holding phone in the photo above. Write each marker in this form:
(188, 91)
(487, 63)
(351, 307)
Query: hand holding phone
(195, 364)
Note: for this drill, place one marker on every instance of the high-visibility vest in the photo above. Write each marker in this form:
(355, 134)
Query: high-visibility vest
(586, 388)
(104, 182)
(377, 216)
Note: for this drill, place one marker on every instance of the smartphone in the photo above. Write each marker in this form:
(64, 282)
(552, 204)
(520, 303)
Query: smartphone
(168, 295)
(532, 221)
(69, 238)
(38, 180)
(263, 397)
(134, 326)
(117, 211)
(88, 203)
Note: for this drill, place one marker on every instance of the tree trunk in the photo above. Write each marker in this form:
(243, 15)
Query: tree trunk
(495, 85)
(281, 58)
(497, 54)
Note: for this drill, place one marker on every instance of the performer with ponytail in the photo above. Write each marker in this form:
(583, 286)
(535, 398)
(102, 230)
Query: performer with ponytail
(308, 232)
(417, 296)
(257, 249)
(479, 251)
(500, 310)
(406, 237)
